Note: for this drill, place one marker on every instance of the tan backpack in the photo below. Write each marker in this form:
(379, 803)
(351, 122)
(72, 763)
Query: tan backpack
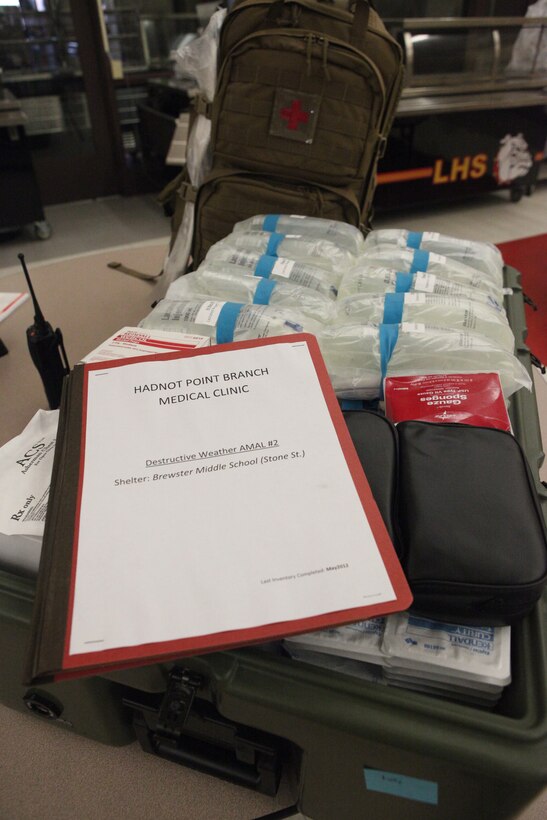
(305, 98)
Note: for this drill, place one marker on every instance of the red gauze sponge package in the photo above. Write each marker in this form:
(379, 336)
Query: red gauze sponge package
(465, 398)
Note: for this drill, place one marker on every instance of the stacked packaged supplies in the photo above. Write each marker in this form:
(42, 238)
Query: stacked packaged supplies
(359, 357)
(464, 663)
(363, 279)
(249, 289)
(436, 311)
(408, 262)
(343, 235)
(361, 641)
(244, 272)
(300, 247)
(354, 650)
(467, 663)
(226, 321)
(259, 282)
(335, 663)
(275, 268)
(481, 256)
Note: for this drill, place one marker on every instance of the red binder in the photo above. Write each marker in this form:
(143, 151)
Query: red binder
(51, 656)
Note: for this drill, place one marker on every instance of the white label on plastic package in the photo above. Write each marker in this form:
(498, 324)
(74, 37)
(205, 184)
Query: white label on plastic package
(25, 475)
(436, 257)
(136, 341)
(244, 260)
(413, 327)
(208, 313)
(283, 267)
(425, 282)
(470, 652)
(414, 299)
(430, 237)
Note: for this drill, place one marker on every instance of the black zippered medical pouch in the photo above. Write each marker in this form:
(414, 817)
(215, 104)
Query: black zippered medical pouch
(375, 440)
(473, 534)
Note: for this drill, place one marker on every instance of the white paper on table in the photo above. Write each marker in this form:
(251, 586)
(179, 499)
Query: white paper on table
(26, 463)
(185, 532)
(10, 302)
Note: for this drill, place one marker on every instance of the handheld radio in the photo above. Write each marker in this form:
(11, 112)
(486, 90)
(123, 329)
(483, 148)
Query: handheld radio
(46, 348)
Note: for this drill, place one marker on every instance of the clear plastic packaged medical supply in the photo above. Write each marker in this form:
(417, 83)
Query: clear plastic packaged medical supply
(371, 280)
(480, 654)
(252, 289)
(341, 233)
(437, 311)
(409, 261)
(482, 256)
(358, 357)
(361, 641)
(307, 274)
(227, 321)
(307, 249)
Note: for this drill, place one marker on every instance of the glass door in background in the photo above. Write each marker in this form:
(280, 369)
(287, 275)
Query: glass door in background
(53, 60)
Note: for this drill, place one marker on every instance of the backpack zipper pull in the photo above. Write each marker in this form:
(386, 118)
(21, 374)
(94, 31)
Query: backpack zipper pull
(325, 58)
(309, 45)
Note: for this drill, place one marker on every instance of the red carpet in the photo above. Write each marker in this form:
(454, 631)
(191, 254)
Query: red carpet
(529, 256)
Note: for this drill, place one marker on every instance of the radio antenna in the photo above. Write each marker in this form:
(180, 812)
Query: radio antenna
(38, 315)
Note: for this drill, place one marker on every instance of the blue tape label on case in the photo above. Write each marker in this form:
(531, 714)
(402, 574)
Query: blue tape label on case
(400, 785)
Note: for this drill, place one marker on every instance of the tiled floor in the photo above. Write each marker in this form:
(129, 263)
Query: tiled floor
(80, 227)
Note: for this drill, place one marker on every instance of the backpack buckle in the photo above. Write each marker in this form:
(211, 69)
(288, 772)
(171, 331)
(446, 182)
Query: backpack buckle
(187, 192)
(203, 107)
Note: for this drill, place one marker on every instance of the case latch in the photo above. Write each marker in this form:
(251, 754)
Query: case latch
(529, 301)
(537, 363)
(177, 702)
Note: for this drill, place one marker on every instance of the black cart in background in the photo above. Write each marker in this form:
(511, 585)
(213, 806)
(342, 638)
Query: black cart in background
(472, 118)
(20, 201)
